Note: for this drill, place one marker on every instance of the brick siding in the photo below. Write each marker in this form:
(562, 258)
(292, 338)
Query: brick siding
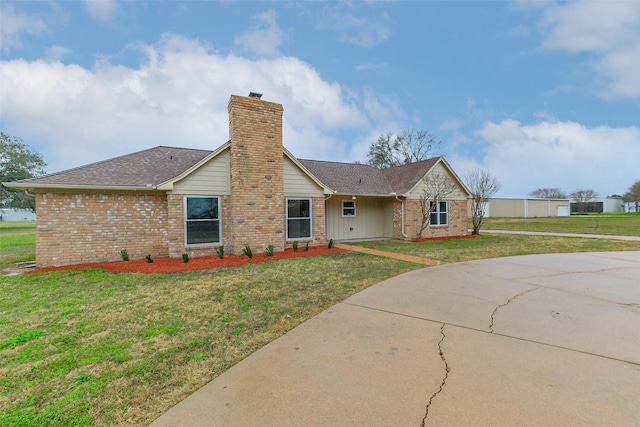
(73, 228)
(457, 220)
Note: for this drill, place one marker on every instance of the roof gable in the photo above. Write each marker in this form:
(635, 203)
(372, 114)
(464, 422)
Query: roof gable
(405, 177)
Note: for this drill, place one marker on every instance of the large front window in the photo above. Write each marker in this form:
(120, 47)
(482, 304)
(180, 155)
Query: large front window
(439, 215)
(298, 219)
(202, 220)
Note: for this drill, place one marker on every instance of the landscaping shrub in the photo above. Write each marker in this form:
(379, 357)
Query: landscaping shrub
(247, 251)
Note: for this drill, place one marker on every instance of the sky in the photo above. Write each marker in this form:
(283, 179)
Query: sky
(539, 93)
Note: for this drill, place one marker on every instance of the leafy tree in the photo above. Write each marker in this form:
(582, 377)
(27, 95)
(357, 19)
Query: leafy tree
(408, 146)
(482, 186)
(633, 195)
(17, 162)
(582, 198)
(548, 193)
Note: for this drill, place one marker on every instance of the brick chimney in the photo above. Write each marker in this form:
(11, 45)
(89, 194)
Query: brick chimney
(257, 175)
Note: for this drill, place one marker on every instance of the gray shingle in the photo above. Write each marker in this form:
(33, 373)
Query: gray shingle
(402, 178)
(153, 166)
(349, 178)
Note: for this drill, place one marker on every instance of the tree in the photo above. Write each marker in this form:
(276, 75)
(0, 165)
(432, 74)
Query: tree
(548, 193)
(17, 162)
(582, 198)
(633, 195)
(408, 146)
(482, 186)
(438, 188)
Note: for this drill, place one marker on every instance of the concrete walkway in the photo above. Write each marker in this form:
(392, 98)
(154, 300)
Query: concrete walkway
(535, 340)
(394, 255)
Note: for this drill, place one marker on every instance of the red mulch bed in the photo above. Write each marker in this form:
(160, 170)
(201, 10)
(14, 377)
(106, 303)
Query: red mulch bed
(176, 265)
(434, 239)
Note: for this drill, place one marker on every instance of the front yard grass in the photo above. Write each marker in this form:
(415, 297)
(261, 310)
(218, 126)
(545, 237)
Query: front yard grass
(91, 348)
(499, 245)
(621, 224)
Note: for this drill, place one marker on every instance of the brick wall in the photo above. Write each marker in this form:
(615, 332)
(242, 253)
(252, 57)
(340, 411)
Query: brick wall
(257, 211)
(73, 228)
(413, 216)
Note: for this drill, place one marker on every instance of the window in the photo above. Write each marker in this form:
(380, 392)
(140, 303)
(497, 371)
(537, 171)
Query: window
(439, 215)
(348, 208)
(202, 220)
(298, 219)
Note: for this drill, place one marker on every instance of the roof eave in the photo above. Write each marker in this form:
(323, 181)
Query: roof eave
(34, 187)
(368, 194)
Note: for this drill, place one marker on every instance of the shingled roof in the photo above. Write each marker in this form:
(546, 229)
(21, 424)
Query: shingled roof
(404, 177)
(354, 178)
(349, 178)
(158, 165)
(153, 166)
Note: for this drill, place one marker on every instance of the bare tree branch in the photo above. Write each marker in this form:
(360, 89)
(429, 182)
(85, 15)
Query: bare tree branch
(548, 193)
(438, 188)
(408, 146)
(582, 198)
(482, 186)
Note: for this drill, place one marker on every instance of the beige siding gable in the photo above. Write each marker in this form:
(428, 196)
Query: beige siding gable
(298, 183)
(438, 169)
(212, 178)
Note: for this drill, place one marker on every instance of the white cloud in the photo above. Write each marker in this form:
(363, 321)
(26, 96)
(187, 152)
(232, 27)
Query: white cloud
(56, 53)
(361, 31)
(265, 38)
(14, 24)
(560, 154)
(177, 97)
(101, 10)
(608, 30)
(372, 67)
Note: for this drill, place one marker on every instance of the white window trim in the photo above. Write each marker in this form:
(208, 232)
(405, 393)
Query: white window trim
(437, 212)
(354, 208)
(184, 216)
(286, 214)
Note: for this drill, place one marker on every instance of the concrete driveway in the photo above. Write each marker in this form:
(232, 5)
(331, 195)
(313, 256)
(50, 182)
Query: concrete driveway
(539, 340)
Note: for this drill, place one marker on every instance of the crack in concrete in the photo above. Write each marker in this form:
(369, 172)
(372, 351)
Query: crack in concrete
(444, 380)
(507, 303)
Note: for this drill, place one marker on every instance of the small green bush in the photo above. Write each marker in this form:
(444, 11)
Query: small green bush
(247, 251)
(295, 246)
(185, 257)
(306, 247)
(124, 255)
(220, 252)
(149, 259)
(269, 250)
(330, 245)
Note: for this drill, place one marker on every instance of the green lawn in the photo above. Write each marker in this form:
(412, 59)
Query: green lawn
(17, 243)
(621, 224)
(88, 348)
(499, 245)
(91, 348)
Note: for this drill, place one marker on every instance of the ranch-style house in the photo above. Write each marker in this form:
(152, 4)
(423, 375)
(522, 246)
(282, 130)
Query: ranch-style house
(166, 201)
